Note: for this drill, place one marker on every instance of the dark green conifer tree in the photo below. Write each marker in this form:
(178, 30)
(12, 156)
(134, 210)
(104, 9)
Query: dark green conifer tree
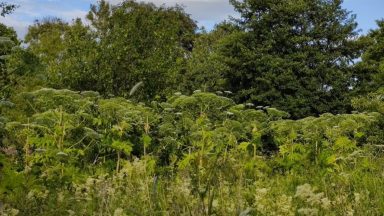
(295, 55)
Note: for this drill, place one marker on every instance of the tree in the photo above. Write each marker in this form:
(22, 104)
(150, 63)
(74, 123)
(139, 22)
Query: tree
(8, 40)
(293, 55)
(140, 42)
(46, 40)
(18, 66)
(125, 45)
(67, 52)
(78, 68)
(369, 72)
(205, 68)
(6, 8)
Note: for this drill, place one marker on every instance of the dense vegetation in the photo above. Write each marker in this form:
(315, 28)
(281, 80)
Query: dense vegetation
(142, 113)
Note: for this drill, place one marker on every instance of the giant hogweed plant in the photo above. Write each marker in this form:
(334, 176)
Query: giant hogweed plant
(65, 127)
(200, 154)
(201, 137)
(325, 141)
(181, 112)
(127, 126)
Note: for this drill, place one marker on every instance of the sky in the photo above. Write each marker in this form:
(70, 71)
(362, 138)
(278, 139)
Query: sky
(205, 12)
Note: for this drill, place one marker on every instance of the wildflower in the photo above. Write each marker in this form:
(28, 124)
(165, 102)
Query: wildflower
(304, 191)
(90, 182)
(325, 203)
(284, 205)
(60, 197)
(307, 193)
(260, 199)
(215, 203)
(357, 198)
(30, 195)
(70, 212)
(315, 199)
(308, 211)
(14, 211)
(262, 191)
(118, 212)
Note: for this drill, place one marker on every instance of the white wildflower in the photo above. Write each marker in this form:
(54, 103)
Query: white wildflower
(70, 212)
(118, 212)
(14, 212)
(60, 197)
(308, 211)
(325, 203)
(357, 198)
(304, 191)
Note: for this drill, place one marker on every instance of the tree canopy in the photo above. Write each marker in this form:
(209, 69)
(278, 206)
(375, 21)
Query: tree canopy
(294, 55)
(125, 45)
(370, 70)
(6, 8)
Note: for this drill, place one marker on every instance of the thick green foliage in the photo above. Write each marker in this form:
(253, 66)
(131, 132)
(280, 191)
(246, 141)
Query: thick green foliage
(141, 42)
(201, 154)
(76, 149)
(296, 56)
(205, 68)
(370, 71)
(125, 45)
(293, 55)
(327, 140)
(8, 40)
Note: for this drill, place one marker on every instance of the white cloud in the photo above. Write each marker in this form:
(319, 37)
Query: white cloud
(205, 12)
(30, 10)
(208, 11)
